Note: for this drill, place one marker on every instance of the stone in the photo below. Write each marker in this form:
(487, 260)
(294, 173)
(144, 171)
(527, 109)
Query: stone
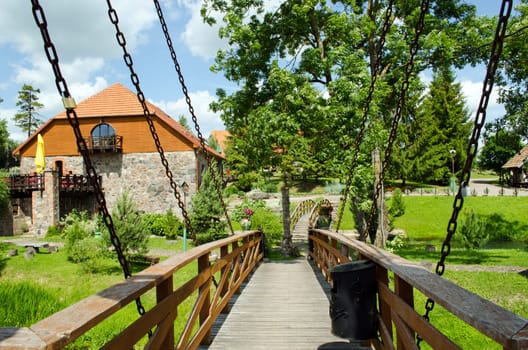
(30, 253)
(12, 252)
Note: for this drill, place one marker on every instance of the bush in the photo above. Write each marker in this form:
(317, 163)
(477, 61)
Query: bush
(209, 236)
(473, 230)
(164, 225)
(129, 226)
(263, 218)
(397, 207)
(81, 245)
(53, 231)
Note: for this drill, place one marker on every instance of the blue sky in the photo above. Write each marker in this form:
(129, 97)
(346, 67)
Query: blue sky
(91, 59)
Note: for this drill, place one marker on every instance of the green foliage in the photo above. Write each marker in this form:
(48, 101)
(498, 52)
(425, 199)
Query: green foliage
(473, 230)
(232, 190)
(4, 190)
(239, 212)
(397, 207)
(500, 144)
(24, 303)
(207, 212)
(28, 105)
(53, 231)
(245, 181)
(129, 226)
(270, 223)
(167, 225)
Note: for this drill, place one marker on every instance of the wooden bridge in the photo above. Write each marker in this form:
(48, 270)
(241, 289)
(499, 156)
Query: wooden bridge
(241, 301)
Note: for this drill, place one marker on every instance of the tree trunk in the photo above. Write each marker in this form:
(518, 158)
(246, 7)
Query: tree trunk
(287, 246)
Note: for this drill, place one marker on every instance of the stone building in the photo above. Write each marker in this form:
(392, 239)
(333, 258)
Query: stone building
(122, 152)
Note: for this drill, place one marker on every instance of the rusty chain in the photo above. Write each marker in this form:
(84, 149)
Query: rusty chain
(409, 67)
(368, 100)
(69, 104)
(191, 111)
(480, 118)
(112, 14)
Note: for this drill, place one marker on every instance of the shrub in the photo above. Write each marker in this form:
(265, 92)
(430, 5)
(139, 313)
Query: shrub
(129, 226)
(473, 230)
(53, 231)
(397, 207)
(263, 218)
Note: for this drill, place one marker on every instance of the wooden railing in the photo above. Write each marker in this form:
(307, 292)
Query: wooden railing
(315, 212)
(76, 183)
(26, 183)
(300, 210)
(396, 305)
(215, 282)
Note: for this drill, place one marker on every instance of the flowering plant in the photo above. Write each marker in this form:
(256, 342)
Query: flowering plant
(248, 212)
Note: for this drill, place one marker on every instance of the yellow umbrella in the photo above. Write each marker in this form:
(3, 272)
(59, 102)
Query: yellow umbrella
(40, 162)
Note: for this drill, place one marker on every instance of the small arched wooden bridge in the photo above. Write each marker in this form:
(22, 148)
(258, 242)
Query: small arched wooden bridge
(241, 301)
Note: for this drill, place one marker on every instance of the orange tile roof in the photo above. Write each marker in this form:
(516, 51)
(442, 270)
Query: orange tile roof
(117, 100)
(517, 161)
(222, 137)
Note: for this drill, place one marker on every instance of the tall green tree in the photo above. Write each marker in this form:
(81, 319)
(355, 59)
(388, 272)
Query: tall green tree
(28, 118)
(500, 144)
(442, 125)
(304, 67)
(514, 92)
(6, 146)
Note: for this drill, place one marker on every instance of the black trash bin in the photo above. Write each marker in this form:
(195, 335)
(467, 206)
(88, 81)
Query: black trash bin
(353, 300)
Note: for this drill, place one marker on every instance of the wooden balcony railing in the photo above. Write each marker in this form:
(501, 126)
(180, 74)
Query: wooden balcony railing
(396, 305)
(104, 143)
(76, 183)
(238, 255)
(26, 183)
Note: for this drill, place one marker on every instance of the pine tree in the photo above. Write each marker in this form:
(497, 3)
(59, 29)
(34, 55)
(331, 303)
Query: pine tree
(441, 126)
(206, 212)
(28, 105)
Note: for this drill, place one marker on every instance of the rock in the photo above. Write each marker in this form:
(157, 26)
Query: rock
(30, 253)
(430, 248)
(53, 249)
(12, 252)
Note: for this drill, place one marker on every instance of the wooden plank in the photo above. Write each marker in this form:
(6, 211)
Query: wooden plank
(20, 338)
(284, 306)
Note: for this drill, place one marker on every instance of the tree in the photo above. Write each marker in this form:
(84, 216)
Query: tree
(6, 146)
(304, 67)
(206, 212)
(129, 226)
(500, 144)
(183, 122)
(514, 92)
(28, 105)
(442, 125)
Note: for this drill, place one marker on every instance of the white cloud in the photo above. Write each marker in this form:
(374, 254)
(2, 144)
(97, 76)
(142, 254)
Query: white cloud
(207, 119)
(473, 92)
(201, 39)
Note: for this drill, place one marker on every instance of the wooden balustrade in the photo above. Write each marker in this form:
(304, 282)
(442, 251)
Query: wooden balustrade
(396, 304)
(238, 256)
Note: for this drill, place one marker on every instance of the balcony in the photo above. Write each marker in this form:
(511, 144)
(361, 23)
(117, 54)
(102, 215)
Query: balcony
(25, 184)
(104, 144)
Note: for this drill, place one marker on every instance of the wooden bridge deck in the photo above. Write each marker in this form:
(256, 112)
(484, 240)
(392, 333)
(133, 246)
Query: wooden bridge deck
(284, 306)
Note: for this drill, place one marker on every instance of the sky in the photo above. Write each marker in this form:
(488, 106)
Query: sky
(91, 59)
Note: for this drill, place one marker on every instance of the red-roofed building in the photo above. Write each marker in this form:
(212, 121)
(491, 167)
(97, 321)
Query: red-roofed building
(122, 151)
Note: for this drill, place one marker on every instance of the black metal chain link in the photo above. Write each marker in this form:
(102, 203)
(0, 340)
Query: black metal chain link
(409, 68)
(368, 100)
(112, 14)
(191, 111)
(62, 87)
(480, 118)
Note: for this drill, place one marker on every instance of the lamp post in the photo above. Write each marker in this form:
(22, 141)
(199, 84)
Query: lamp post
(452, 182)
(185, 189)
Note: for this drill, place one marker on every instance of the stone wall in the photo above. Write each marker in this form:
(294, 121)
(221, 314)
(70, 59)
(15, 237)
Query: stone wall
(140, 173)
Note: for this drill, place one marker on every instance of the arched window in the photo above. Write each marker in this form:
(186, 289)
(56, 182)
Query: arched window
(103, 137)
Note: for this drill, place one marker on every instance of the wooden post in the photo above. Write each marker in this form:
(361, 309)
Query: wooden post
(163, 291)
(203, 264)
(385, 309)
(225, 271)
(405, 291)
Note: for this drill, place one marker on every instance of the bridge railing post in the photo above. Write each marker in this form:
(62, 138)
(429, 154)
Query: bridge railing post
(225, 271)
(164, 290)
(205, 289)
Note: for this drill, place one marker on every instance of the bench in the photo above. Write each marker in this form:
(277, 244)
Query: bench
(37, 245)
